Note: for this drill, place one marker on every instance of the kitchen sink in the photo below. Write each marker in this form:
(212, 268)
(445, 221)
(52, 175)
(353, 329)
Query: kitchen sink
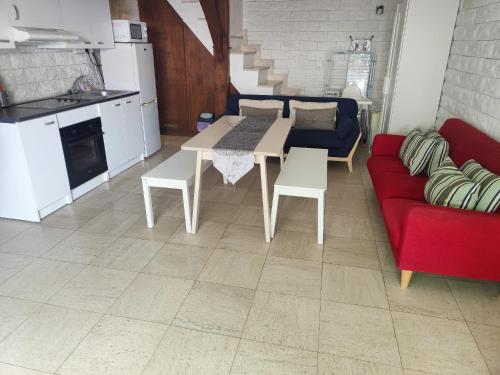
(91, 95)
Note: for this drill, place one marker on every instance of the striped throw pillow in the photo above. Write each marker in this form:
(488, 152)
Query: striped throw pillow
(416, 151)
(489, 193)
(440, 152)
(431, 133)
(449, 187)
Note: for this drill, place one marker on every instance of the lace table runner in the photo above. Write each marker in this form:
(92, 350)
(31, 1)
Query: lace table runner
(233, 155)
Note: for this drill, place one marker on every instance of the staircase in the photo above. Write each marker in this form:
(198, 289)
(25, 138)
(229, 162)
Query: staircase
(250, 74)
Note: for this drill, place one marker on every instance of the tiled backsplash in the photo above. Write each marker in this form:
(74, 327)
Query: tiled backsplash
(30, 73)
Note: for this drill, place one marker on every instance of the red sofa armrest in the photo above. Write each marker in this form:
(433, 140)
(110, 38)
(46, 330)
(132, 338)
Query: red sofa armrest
(450, 241)
(387, 144)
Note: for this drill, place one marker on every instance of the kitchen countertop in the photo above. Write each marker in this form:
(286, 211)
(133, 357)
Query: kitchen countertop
(17, 113)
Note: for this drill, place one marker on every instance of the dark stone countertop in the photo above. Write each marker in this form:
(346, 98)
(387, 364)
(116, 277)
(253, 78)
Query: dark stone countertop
(18, 113)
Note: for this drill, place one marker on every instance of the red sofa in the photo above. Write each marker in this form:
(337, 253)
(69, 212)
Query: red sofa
(435, 239)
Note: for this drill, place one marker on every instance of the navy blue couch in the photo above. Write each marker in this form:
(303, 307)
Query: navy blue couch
(339, 142)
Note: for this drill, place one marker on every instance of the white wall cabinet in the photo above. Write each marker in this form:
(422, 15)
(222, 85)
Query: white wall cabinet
(35, 182)
(89, 19)
(123, 134)
(6, 39)
(29, 13)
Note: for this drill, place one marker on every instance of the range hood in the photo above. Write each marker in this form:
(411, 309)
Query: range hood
(39, 35)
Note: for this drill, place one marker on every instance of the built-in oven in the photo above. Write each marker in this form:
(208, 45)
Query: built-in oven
(83, 146)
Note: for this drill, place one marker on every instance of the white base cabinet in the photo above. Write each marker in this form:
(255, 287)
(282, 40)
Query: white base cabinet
(123, 134)
(34, 180)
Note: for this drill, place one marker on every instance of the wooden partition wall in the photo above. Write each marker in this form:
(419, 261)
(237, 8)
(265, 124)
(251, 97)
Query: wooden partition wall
(189, 79)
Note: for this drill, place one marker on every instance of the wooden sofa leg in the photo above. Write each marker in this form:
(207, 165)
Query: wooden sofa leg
(405, 278)
(349, 165)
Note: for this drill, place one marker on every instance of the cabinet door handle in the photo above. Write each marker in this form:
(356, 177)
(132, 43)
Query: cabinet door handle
(50, 123)
(128, 102)
(4, 41)
(100, 42)
(16, 10)
(118, 104)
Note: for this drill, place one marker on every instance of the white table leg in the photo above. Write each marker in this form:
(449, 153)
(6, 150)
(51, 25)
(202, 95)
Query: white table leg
(274, 211)
(265, 197)
(282, 159)
(197, 190)
(187, 209)
(148, 204)
(224, 179)
(321, 216)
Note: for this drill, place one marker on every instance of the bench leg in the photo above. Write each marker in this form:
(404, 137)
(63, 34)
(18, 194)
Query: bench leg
(274, 211)
(349, 165)
(224, 179)
(282, 160)
(321, 217)
(197, 190)
(148, 204)
(187, 209)
(265, 197)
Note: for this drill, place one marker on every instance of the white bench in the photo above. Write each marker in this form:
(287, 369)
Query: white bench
(177, 172)
(303, 175)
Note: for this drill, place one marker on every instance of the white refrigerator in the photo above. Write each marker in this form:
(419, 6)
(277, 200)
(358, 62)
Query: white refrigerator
(130, 66)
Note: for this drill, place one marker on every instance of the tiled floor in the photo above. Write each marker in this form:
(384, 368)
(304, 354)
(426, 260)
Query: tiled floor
(91, 290)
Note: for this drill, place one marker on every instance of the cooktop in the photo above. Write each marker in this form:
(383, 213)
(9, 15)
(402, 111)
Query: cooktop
(52, 103)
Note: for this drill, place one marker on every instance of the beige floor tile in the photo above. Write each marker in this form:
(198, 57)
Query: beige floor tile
(128, 254)
(348, 226)
(427, 295)
(220, 212)
(249, 215)
(133, 203)
(116, 346)
(233, 268)
(284, 320)
(297, 221)
(359, 286)
(264, 359)
(342, 206)
(113, 223)
(345, 191)
(478, 301)
(364, 333)
(226, 194)
(387, 261)
(437, 345)
(10, 229)
(94, 289)
(34, 241)
(215, 308)
(329, 364)
(10, 264)
(44, 340)
(415, 372)
(152, 298)
(80, 247)
(179, 261)
(40, 280)
(6, 369)
(244, 238)
(302, 246)
(188, 352)
(208, 234)
(291, 203)
(488, 340)
(99, 198)
(13, 312)
(163, 229)
(291, 276)
(379, 231)
(71, 217)
(350, 252)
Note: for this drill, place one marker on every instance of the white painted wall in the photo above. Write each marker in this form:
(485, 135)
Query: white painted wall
(30, 73)
(300, 34)
(235, 24)
(471, 90)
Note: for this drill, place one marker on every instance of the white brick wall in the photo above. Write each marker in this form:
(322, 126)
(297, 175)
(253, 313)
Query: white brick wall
(471, 89)
(301, 34)
(30, 73)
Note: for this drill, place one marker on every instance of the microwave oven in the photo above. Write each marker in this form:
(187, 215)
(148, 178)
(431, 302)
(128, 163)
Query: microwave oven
(126, 31)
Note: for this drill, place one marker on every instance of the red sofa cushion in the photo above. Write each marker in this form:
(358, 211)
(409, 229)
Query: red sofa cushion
(391, 179)
(466, 142)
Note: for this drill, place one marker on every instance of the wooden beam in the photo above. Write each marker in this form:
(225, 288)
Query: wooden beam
(215, 26)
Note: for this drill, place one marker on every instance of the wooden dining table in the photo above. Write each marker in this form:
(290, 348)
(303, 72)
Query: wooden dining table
(271, 145)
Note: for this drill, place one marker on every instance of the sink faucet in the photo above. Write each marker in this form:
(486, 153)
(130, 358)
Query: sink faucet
(78, 84)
